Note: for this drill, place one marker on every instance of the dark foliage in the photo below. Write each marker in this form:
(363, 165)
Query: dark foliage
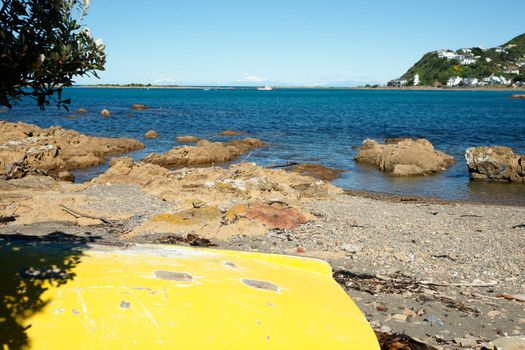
(43, 46)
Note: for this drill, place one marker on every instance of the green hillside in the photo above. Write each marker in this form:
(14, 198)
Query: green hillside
(437, 67)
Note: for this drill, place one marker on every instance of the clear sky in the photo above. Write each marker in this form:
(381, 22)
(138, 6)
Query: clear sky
(295, 42)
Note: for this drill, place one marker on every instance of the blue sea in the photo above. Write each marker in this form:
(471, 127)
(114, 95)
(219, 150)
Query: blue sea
(311, 125)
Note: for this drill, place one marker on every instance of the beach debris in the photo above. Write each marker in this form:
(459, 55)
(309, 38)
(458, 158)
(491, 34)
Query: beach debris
(514, 297)
(191, 238)
(139, 107)
(187, 139)
(518, 226)
(405, 158)
(81, 111)
(396, 341)
(152, 134)
(105, 112)
(231, 133)
(495, 163)
(400, 284)
(85, 219)
(300, 250)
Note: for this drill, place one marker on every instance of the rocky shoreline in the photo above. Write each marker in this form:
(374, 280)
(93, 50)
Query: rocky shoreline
(448, 273)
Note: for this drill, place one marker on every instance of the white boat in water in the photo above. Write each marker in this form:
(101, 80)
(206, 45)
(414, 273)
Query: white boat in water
(265, 88)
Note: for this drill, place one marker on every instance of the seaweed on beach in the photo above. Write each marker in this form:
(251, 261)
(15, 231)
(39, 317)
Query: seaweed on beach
(192, 239)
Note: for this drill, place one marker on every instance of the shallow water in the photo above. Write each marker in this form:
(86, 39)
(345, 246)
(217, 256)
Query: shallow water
(304, 125)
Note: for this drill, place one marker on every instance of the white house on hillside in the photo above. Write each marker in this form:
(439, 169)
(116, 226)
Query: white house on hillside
(454, 81)
(416, 80)
(468, 60)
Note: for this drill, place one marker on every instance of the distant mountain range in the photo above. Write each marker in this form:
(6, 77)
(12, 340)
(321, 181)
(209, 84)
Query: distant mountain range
(476, 66)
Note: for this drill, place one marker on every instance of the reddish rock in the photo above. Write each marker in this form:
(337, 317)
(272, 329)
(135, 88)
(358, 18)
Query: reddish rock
(276, 217)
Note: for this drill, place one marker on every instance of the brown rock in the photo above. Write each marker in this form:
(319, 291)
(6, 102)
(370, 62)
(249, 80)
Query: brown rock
(231, 133)
(138, 107)
(105, 112)
(391, 140)
(495, 164)
(405, 158)
(65, 176)
(204, 153)
(152, 134)
(55, 149)
(187, 139)
(81, 111)
(316, 170)
(518, 96)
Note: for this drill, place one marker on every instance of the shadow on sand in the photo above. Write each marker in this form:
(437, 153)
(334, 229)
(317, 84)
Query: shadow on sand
(29, 265)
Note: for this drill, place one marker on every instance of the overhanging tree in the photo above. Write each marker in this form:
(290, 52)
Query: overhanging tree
(43, 46)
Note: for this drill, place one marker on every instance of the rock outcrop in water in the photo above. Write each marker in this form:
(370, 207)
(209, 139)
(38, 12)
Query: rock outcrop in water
(317, 171)
(152, 134)
(518, 96)
(406, 157)
(138, 107)
(204, 153)
(231, 133)
(495, 164)
(54, 149)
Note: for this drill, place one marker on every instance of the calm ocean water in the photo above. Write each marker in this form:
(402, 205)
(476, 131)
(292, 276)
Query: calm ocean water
(319, 126)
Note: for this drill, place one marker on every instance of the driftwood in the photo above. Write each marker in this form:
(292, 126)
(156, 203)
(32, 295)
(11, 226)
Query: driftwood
(473, 284)
(286, 165)
(81, 215)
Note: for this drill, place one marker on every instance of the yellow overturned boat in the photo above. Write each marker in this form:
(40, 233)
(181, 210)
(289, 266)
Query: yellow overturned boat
(63, 292)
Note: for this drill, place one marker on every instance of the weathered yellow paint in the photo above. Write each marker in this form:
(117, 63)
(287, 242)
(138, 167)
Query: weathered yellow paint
(165, 297)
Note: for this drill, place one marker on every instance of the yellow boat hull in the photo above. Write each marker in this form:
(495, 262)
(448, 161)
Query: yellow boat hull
(88, 296)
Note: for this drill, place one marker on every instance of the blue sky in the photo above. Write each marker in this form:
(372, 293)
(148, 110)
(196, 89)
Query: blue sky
(294, 42)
